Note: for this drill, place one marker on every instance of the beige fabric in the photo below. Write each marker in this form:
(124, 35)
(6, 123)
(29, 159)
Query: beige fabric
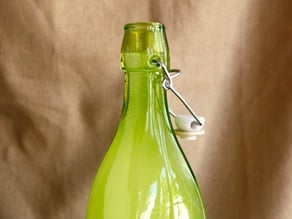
(61, 97)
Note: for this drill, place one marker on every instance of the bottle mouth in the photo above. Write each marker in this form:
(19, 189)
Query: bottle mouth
(142, 43)
(151, 26)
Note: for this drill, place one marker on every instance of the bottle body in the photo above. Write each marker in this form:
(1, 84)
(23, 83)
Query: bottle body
(144, 174)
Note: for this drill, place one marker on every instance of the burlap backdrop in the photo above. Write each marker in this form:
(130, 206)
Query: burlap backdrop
(61, 97)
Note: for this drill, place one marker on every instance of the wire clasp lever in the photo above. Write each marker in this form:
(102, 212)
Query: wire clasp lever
(196, 126)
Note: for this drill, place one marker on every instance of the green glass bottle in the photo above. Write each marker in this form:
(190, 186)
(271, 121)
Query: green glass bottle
(144, 174)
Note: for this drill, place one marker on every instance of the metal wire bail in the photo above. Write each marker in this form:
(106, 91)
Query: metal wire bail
(168, 85)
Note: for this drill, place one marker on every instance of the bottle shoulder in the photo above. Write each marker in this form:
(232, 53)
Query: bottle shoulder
(142, 170)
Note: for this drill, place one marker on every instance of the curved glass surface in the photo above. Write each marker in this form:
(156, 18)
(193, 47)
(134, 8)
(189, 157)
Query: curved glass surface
(144, 174)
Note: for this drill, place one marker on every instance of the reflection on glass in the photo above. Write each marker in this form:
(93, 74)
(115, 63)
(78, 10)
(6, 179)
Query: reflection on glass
(144, 174)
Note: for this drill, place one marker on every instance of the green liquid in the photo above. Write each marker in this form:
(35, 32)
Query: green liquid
(144, 173)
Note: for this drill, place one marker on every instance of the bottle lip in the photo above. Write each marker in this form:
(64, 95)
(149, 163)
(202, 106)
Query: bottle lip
(153, 26)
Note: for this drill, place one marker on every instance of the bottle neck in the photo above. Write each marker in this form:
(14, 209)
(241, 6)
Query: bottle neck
(145, 105)
(145, 109)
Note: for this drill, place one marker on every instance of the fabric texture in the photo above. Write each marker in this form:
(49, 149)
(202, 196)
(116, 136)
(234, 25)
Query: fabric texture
(61, 93)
